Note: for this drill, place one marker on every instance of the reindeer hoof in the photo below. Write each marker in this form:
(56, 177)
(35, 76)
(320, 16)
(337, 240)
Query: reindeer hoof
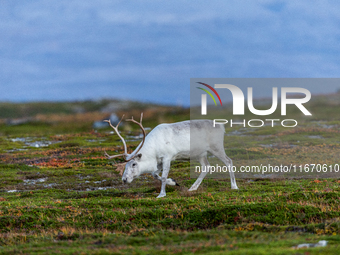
(176, 184)
(193, 189)
(171, 182)
(161, 195)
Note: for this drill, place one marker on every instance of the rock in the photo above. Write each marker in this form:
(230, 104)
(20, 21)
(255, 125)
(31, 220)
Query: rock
(321, 243)
(101, 124)
(20, 121)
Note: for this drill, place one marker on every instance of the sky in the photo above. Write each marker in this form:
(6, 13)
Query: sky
(148, 50)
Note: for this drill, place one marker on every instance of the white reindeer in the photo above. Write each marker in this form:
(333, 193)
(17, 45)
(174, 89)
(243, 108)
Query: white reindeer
(168, 142)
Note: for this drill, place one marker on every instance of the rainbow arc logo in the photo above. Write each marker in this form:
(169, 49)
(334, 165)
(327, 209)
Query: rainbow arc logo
(238, 99)
(209, 93)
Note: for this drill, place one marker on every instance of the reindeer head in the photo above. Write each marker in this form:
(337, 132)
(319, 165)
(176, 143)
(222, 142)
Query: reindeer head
(132, 167)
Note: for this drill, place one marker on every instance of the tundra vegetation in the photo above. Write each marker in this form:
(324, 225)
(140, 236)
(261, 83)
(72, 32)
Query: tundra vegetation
(60, 195)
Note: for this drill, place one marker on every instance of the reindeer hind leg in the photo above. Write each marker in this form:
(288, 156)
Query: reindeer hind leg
(205, 166)
(229, 163)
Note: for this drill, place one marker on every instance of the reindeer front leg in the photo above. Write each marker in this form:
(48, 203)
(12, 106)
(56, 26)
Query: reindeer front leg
(169, 181)
(166, 169)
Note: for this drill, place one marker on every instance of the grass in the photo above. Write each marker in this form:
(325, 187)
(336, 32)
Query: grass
(214, 219)
(67, 198)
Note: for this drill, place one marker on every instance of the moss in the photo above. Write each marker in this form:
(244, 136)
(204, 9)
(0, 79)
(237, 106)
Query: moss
(82, 206)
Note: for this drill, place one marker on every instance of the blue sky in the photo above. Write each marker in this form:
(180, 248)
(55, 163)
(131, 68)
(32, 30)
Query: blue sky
(149, 50)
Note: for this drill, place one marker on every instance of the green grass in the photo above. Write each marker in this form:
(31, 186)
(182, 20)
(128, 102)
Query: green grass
(213, 219)
(69, 199)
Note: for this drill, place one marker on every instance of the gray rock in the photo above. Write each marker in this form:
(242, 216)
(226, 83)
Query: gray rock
(102, 124)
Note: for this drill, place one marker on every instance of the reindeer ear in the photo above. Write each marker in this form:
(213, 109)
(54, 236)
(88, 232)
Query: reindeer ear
(139, 156)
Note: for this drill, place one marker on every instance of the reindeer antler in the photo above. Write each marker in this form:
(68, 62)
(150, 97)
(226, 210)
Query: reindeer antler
(143, 130)
(115, 128)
